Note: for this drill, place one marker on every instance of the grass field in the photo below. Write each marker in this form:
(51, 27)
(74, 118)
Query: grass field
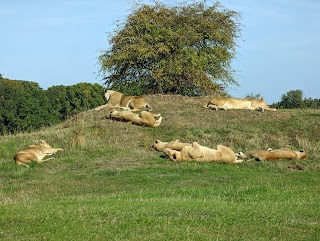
(109, 185)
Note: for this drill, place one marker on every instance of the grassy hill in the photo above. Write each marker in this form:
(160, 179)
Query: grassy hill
(109, 185)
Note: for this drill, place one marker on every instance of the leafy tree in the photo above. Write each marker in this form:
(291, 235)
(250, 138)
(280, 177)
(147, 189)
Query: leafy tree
(84, 96)
(59, 101)
(311, 103)
(70, 100)
(23, 106)
(184, 49)
(292, 99)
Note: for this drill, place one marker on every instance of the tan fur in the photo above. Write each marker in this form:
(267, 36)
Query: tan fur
(224, 103)
(116, 99)
(277, 154)
(173, 145)
(198, 153)
(145, 118)
(36, 153)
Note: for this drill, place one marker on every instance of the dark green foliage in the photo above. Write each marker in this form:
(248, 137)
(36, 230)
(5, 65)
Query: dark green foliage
(311, 103)
(294, 99)
(59, 101)
(184, 49)
(70, 100)
(24, 106)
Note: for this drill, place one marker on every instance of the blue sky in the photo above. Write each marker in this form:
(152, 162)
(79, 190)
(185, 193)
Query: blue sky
(58, 42)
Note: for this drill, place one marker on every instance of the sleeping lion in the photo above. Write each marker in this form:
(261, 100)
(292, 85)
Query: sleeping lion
(116, 99)
(36, 152)
(272, 155)
(225, 103)
(199, 153)
(145, 118)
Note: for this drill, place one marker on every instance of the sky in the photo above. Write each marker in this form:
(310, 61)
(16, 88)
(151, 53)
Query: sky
(58, 42)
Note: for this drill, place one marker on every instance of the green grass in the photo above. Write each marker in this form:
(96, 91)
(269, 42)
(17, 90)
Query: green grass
(108, 184)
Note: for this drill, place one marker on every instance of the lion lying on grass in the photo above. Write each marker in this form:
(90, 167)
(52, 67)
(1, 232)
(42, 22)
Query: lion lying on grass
(36, 153)
(277, 154)
(173, 145)
(145, 118)
(224, 103)
(116, 99)
(198, 153)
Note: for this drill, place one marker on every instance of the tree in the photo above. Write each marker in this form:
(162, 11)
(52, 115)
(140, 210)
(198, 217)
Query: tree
(292, 99)
(23, 106)
(311, 103)
(84, 96)
(59, 101)
(70, 100)
(184, 49)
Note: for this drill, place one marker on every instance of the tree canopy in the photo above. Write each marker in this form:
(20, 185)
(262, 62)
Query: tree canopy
(292, 99)
(185, 49)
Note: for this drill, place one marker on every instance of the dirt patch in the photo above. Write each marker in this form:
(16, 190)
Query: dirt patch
(296, 167)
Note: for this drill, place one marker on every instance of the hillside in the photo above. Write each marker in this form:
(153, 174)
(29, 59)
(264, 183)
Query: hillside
(109, 185)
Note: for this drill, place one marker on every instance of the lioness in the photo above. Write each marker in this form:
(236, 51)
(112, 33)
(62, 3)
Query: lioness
(277, 154)
(145, 118)
(173, 145)
(36, 153)
(198, 153)
(117, 99)
(224, 103)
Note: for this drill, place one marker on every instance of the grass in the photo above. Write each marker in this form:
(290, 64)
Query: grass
(108, 184)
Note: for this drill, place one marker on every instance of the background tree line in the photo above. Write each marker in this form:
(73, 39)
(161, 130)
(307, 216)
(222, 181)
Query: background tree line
(24, 106)
(295, 99)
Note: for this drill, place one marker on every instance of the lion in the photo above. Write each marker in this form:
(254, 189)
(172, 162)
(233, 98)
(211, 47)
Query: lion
(173, 145)
(272, 155)
(116, 99)
(199, 153)
(225, 103)
(35, 152)
(145, 118)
